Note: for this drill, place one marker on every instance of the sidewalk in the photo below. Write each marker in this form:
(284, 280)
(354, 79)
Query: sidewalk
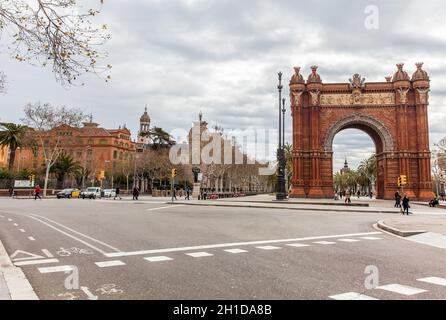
(13, 283)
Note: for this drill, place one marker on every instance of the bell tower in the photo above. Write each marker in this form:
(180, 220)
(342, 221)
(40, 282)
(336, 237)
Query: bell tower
(144, 128)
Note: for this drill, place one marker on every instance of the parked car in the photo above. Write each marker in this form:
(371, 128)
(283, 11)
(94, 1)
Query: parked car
(213, 196)
(91, 193)
(108, 193)
(68, 193)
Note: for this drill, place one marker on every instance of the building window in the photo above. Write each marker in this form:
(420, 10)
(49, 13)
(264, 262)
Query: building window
(102, 141)
(120, 155)
(126, 156)
(90, 141)
(115, 154)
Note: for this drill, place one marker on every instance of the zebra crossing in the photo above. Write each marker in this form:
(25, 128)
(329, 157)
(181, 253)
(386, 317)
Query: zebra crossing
(398, 291)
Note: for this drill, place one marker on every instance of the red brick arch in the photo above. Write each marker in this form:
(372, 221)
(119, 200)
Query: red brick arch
(392, 113)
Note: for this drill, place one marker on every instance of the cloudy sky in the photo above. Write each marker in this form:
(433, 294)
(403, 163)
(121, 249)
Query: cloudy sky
(222, 57)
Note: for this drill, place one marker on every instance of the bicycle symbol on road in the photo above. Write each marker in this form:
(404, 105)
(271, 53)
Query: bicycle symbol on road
(68, 252)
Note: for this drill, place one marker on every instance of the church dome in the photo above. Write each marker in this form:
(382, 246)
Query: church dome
(297, 77)
(145, 117)
(400, 75)
(314, 77)
(420, 74)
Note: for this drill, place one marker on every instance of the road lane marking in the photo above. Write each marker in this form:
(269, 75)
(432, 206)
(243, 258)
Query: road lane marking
(79, 233)
(161, 208)
(352, 296)
(10, 220)
(268, 248)
(235, 251)
(107, 264)
(2, 216)
(199, 254)
(55, 269)
(234, 244)
(22, 230)
(90, 296)
(16, 224)
(33, 262)
(324, 243)
(47, 253)
(31, 238)
(401, 289)
(348, 240)
(71, 236)
(434, 280)
(371, 238)
(30, 256)
(158, 259)
(297, 245)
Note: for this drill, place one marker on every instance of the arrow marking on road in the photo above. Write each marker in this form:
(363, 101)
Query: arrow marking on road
(89, 294)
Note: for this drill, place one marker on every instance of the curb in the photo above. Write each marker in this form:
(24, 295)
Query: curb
(402, 233)
(282, 208)
(17, 285)
(305, 203)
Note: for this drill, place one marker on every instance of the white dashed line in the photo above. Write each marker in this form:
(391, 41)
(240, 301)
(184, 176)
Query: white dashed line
(298, 245)
(1, 216)
(33, 262)
(55, 269)
(352, 296)
(22, 230)
(16, 224)
(268, 248)
(232, 244)
(31, 239)
(235, 251)
(401, 289)
(107, 264)
(199, 254)
(434, 280)
(348, 240)
(9, 219)
(371, 238)
(325, 243)
(158, 259)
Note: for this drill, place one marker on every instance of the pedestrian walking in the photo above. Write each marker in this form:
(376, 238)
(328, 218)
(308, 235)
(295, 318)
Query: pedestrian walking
(37, 192)
(397, 200)
(187, 193)
(406, 205)
(359, 194)
(174, 193)
(135, 193)
(117, 193)
(347, 197)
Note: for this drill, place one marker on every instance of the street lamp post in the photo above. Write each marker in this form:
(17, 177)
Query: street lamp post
(280, 190)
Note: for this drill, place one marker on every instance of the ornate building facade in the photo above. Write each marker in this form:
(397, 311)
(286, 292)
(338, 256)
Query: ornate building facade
(393, 113)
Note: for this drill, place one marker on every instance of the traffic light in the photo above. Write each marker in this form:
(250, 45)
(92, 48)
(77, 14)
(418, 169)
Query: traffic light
(402, 181)
(174, 173)
(101, 175)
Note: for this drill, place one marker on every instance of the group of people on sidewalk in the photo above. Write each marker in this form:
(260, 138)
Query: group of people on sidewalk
(187, 197)
(402, 203)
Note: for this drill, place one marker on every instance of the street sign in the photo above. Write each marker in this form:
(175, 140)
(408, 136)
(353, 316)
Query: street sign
(200, 176)
(23, 184)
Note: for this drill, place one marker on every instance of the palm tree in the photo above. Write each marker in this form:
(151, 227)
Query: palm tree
(12, 136)
(65, 166)
(368, 168)
(289, 162)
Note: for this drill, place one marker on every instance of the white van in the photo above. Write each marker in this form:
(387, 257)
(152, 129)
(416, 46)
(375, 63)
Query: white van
(91, 193)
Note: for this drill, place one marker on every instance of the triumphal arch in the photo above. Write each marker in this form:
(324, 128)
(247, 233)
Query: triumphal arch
(393, 113)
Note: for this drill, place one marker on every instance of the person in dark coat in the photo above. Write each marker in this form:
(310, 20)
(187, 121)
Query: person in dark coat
(397, 200)
(135, 193)
(117, 193)
(406, 205)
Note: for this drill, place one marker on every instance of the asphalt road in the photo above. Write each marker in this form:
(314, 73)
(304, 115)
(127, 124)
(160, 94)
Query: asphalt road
(151, 250)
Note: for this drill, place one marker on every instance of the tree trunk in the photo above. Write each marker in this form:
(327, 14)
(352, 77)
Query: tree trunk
(11, 159)
(47, 174)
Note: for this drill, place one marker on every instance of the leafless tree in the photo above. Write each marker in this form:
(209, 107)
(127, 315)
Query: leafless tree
(44, 118)
(55, 32)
